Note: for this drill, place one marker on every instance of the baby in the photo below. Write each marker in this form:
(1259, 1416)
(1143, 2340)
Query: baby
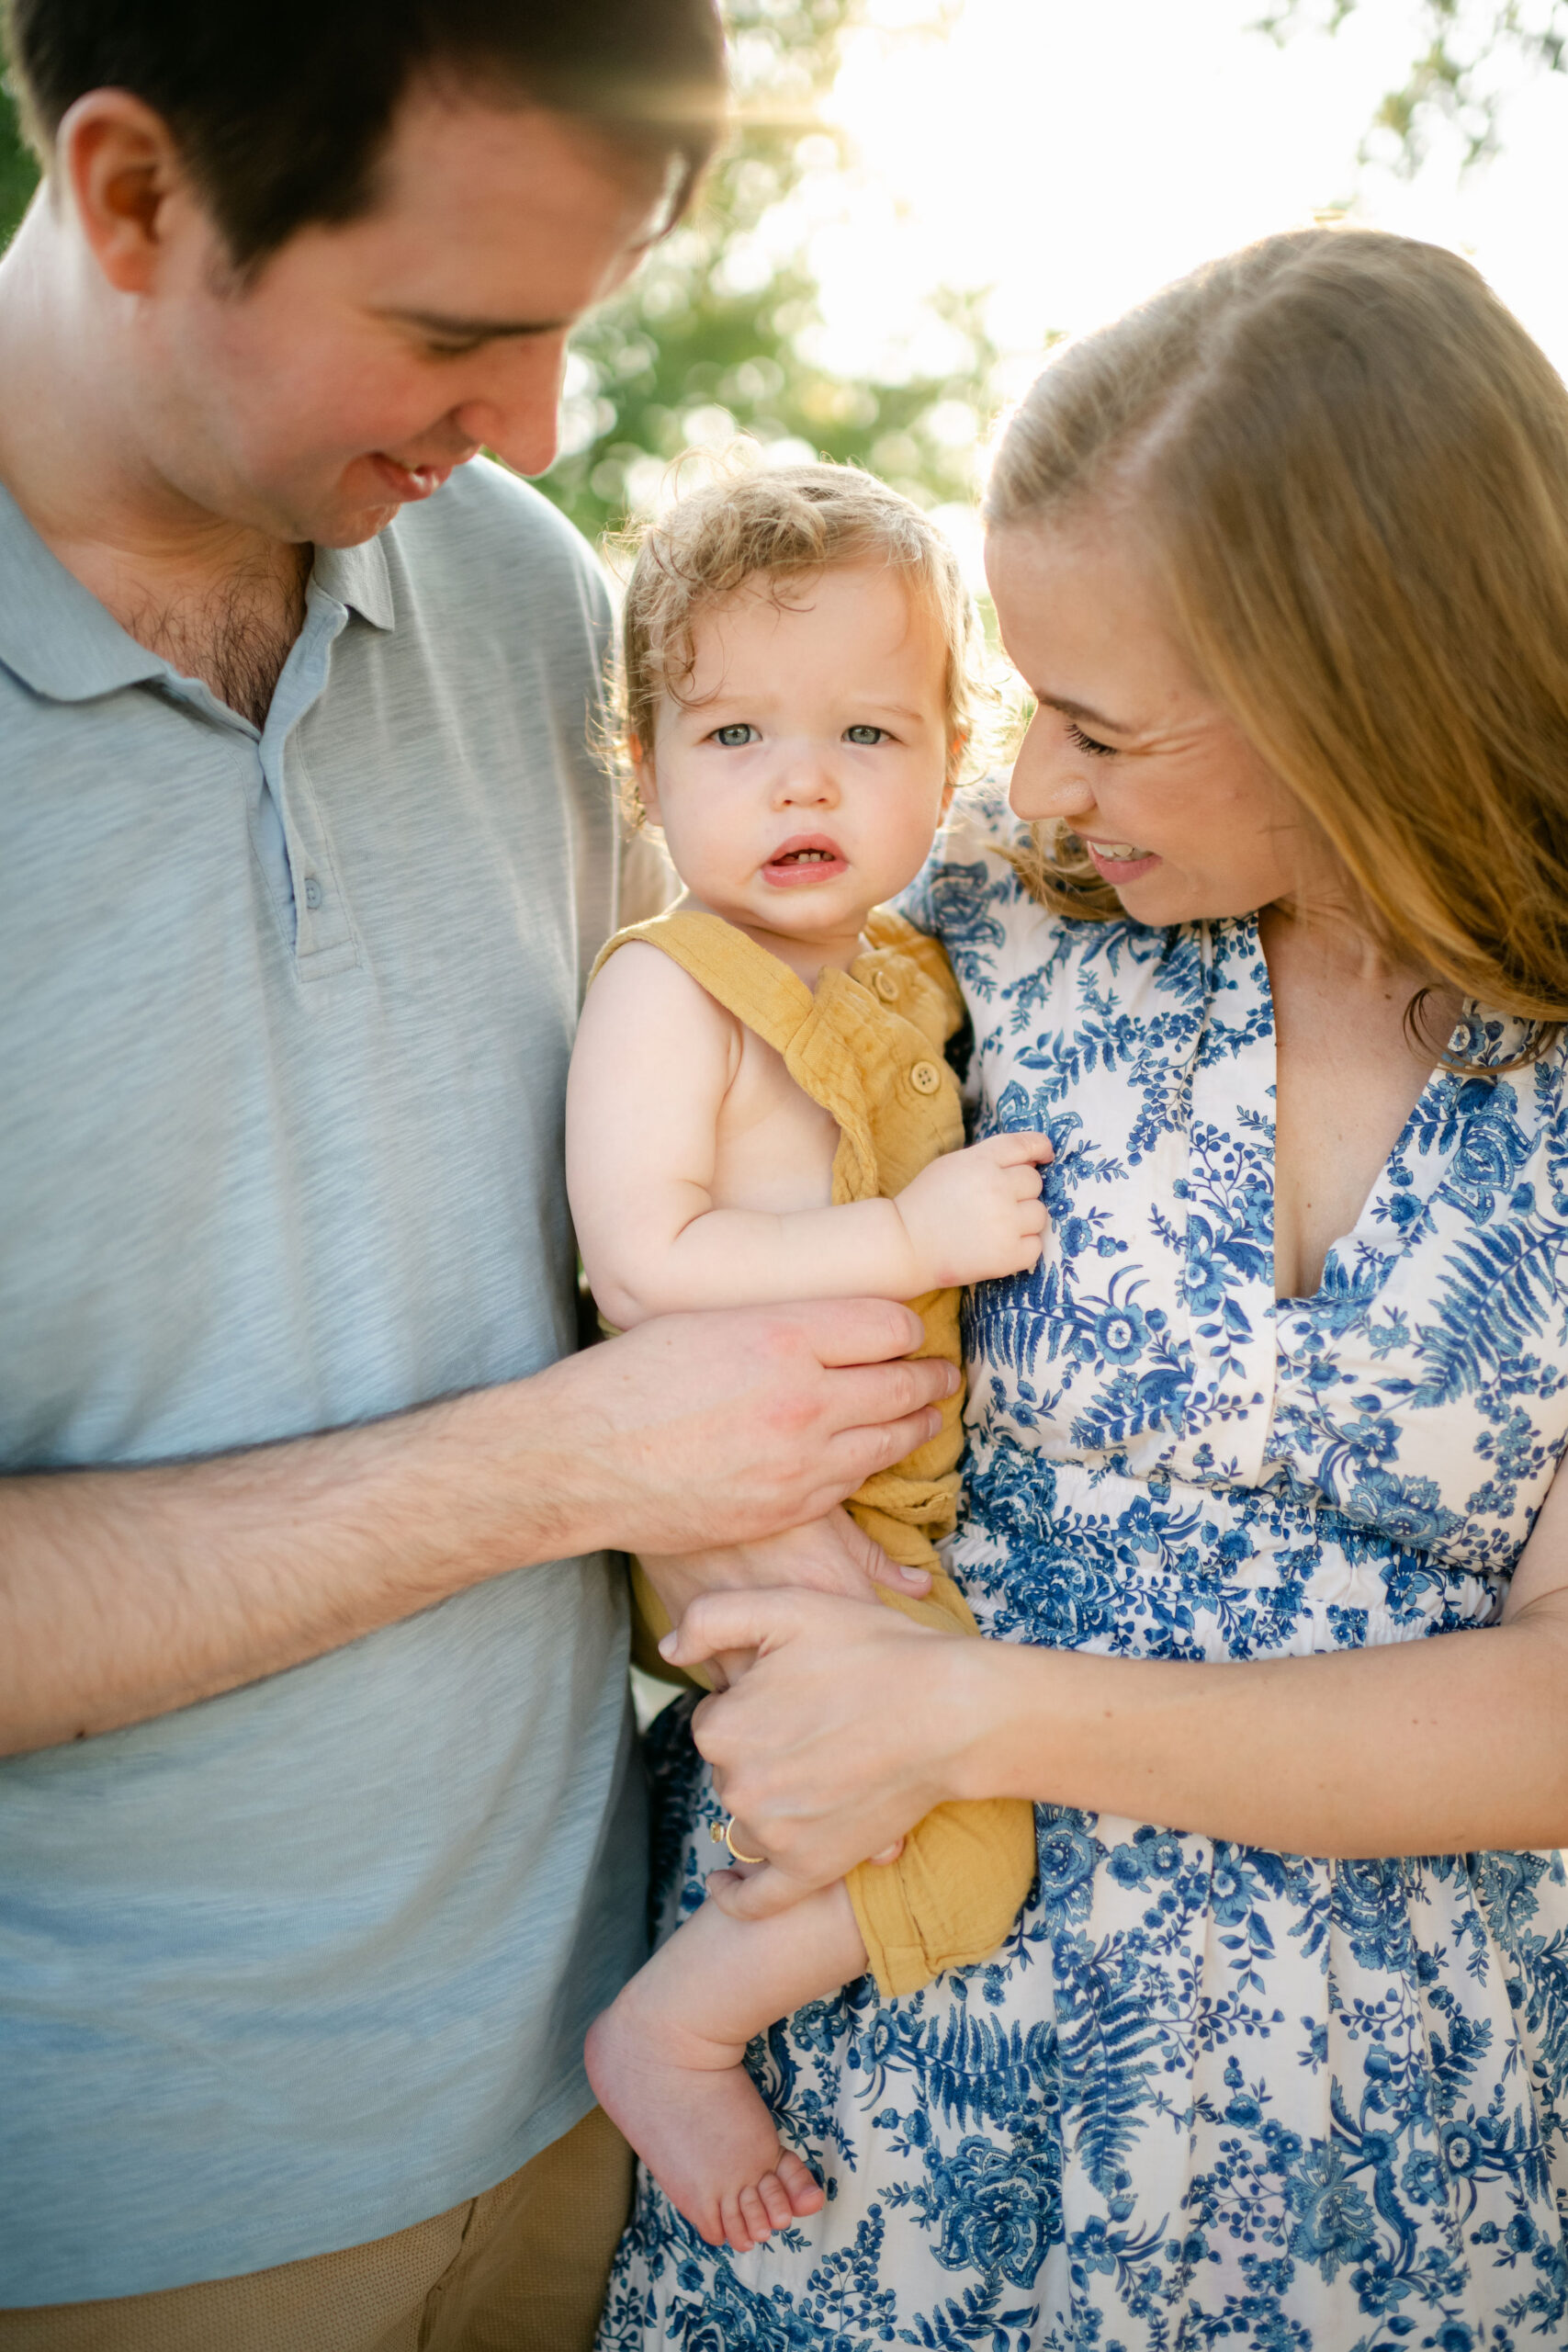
(760, 1111)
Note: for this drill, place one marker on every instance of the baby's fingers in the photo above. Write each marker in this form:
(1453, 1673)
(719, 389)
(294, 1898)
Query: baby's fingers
(759, 1895)
(1023, 1145)
(1016, 1253)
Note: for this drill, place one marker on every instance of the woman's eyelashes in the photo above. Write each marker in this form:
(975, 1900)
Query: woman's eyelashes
(1082, 742)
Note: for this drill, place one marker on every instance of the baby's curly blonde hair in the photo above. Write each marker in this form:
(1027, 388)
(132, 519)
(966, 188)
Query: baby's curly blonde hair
(777, 526)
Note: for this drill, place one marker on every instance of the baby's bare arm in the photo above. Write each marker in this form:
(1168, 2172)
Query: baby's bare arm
(654, 1062)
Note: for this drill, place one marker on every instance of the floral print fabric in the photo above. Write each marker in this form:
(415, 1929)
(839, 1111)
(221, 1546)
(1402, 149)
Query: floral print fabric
(1206, 2095)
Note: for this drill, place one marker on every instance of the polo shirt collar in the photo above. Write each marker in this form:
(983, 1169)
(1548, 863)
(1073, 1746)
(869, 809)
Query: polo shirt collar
(58, 638)
(358, 578)
(54, 634)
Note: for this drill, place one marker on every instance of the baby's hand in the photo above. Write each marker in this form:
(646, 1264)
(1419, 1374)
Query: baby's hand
(976, 1214)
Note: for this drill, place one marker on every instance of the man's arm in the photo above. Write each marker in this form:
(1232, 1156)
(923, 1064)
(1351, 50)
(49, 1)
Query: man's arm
(128, 1593)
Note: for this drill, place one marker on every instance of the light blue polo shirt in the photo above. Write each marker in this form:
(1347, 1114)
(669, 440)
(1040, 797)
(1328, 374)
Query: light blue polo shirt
(282, 1061)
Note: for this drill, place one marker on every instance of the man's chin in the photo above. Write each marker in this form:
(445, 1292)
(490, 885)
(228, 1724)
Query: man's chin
(352, 527)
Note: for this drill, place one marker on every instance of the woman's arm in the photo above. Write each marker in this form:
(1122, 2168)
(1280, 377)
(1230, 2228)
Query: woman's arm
(654, 1060)
(853, 1722)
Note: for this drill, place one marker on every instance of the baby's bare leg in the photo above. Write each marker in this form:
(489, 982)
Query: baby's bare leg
(665, 2064)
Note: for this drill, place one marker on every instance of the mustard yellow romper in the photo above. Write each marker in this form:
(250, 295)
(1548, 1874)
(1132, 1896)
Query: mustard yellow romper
(867, 1044)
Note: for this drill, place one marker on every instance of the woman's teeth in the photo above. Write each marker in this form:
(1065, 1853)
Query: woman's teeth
(1118, 853)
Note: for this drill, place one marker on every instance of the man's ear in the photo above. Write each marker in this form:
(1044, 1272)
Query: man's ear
(121, 166)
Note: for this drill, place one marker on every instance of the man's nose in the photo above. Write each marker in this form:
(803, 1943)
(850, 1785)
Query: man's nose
(516, 413)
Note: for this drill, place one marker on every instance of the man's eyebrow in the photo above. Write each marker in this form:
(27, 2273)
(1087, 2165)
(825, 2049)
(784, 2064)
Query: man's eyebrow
(1081, 710)
(475, 330)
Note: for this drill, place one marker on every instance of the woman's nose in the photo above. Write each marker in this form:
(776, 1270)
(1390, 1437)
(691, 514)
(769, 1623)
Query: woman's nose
(1048, 779)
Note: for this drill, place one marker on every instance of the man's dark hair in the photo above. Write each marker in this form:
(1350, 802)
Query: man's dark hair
(282, 107)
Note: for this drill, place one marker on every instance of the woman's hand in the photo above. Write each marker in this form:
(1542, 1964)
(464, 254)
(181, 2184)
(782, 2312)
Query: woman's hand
(846, 1731)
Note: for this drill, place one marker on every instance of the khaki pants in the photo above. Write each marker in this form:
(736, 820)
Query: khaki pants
(520, 2270)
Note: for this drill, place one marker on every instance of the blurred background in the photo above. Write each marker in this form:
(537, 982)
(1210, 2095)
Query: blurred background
(923, 194)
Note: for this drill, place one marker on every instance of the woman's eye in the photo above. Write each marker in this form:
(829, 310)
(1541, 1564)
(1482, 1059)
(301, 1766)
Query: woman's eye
(1082, 742)
(732, 736)
(866, 735)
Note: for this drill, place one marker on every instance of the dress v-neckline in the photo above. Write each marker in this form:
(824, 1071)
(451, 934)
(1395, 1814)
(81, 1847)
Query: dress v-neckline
(1381, 1186)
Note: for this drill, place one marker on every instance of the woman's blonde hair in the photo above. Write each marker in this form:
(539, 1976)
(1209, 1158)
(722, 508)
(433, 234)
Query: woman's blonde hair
(1348, 464)
(776, 528)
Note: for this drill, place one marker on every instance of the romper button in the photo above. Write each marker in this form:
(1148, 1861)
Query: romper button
(925, 1078)
(312, 893)
(886, 987)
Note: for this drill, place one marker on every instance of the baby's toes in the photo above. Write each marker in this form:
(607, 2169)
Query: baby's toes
(775, 2200)
(754, 2213)
(708, 2221)
(736, 2236)
(799, 2184)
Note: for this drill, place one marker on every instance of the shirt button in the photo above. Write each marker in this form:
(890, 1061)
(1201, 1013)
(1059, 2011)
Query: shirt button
(312, 893)
(885, 984)
(925, 1078)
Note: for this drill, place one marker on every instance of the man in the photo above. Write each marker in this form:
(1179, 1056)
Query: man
(320, 1841)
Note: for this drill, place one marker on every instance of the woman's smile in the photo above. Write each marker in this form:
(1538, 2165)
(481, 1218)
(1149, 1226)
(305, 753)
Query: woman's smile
(1119, 861)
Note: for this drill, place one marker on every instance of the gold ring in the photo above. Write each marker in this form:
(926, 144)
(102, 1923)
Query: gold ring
(723, 1834)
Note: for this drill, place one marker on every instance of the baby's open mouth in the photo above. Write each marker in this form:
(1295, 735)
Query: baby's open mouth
(808, 857)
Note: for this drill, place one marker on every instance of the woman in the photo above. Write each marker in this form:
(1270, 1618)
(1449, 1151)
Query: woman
(1260, 1507)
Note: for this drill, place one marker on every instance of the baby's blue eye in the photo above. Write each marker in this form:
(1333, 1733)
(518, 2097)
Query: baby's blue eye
(865, 734)
(732, 736)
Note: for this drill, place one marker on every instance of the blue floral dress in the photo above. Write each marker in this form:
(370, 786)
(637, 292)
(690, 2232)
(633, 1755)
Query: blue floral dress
(1206, 2095)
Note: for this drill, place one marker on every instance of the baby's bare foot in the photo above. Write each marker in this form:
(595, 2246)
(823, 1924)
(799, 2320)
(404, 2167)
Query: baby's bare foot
(693, 2115)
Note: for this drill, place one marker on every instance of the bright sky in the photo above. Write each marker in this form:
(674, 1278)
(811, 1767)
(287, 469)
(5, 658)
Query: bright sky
(1075, 154)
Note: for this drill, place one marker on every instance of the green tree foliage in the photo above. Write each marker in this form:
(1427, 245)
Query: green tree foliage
(18, 168)
(1454, 79)
(715, 337)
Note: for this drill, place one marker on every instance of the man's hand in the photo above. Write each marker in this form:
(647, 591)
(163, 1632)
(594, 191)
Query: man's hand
(829, 1555)
(700, 1430)
(975, 1216)
(125, 1593)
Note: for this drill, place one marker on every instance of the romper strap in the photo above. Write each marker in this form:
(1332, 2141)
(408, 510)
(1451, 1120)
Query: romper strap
(757, 987)
(767, 998)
